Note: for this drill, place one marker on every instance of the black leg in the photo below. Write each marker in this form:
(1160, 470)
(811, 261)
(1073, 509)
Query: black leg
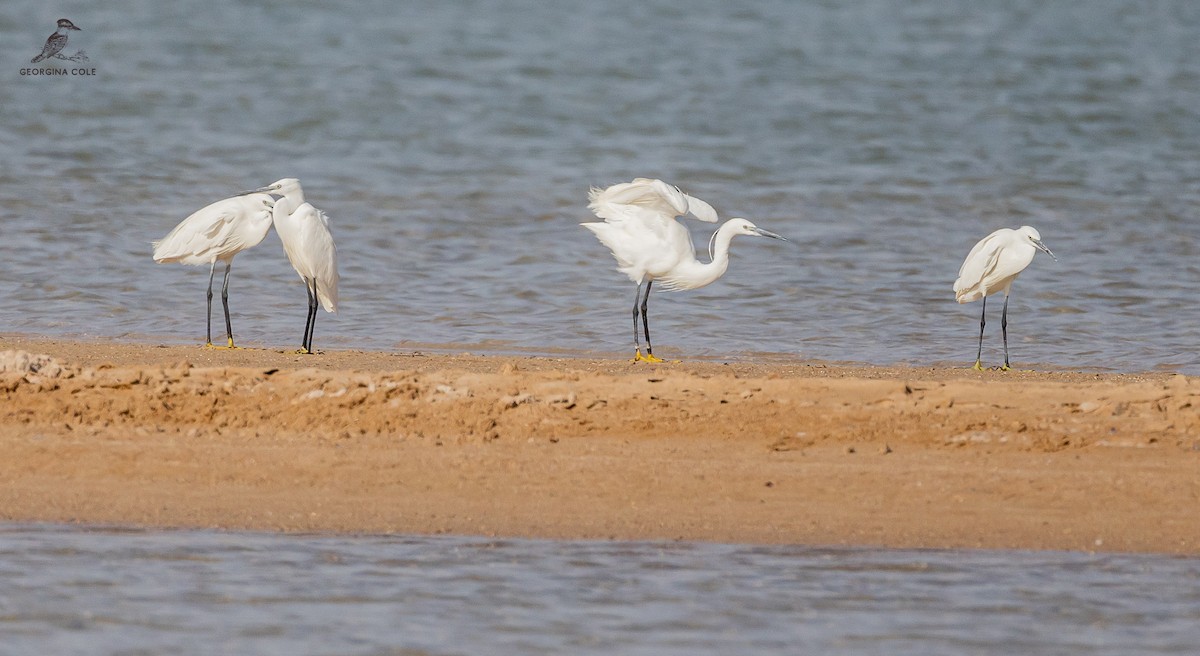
(637, 339)
(307, 312)
(225, 303)
(1004, 330)
(308, 293)
(982, 323)
(646, 319)
(310, 322)
(211, 273)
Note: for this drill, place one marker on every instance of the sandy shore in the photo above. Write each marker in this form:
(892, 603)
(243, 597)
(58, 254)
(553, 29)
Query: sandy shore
(769, 452)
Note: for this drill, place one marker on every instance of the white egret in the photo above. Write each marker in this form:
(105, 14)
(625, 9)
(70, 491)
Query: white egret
(991, 267)
(304, 231)
(216, 233)
(649, 244)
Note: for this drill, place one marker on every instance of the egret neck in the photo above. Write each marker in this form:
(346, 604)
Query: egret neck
(695, 274)
(290, 201)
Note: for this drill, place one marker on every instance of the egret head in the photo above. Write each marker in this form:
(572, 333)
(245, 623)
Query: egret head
(283, 187)
(1035, 238)
(744, 227)
(741, 227)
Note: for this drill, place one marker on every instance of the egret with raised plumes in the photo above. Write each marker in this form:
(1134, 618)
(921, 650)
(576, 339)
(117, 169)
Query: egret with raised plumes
(650, 244)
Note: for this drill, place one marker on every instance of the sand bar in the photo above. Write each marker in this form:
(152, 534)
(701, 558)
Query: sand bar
(774, 451)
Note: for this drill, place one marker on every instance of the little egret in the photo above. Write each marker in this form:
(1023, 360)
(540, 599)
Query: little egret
(991, 267)
(304, 231)
(649, 244)
(217, 233)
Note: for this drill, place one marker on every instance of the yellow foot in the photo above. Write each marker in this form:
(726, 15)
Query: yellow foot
(978, 366)
(1005, 367)
(303, 351)
(649, 357)
(231, 347)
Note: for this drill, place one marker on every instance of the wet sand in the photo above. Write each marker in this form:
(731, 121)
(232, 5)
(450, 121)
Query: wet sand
(774, 451)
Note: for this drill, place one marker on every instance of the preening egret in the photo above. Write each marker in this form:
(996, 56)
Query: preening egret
(217, 233)
(650, 244)
(991, 267)
(304, 231)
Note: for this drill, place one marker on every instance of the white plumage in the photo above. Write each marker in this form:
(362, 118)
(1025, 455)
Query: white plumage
(216, 233)
(650, 245)
(304, 231)
(991, 267)
(310, 248)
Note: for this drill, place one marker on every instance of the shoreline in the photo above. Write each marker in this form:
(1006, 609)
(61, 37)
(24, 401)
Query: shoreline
(769, 452)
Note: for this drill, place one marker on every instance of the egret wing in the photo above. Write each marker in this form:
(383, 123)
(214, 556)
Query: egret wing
(654, 195)
(700, 209)
(310, 248)
(643, 241)
(206, 235)
(641, 223)
(322, 253)
(640, 227)
(980, 264)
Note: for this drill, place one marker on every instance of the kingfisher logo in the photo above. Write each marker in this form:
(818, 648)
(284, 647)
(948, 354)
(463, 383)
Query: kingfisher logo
(54, 50)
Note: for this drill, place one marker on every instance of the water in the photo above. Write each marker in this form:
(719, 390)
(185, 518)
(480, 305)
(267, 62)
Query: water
(452, 143)
(77, 591)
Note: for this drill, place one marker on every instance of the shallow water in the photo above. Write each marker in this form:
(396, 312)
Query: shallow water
(71, 590)
(453, 144)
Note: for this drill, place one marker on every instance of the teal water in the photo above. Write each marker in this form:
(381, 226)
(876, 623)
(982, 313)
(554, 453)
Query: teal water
(453, 143)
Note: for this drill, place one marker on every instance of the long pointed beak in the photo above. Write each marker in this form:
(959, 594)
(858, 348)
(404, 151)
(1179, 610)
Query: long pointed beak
(1042, 247)
(767, 233)
(260, 190)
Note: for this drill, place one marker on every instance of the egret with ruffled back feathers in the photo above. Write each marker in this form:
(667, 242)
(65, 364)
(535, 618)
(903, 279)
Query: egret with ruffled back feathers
(991, 267)
(650, 245)
(217, 233)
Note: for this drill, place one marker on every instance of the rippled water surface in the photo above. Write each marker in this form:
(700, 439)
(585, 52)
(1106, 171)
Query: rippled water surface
(453, 143)
(73, 591)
